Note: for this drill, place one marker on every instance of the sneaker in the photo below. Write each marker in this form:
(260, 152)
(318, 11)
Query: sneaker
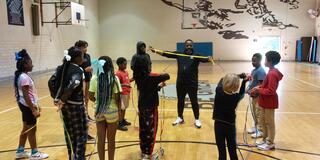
(260, 143)
(90, 138)
(126, 123)
(197, 123)
(122, 127)
(23, 154)
(251, 130)
(266, 147)
(258, 134)
(145, 157)
(38, 156)
(178, 121)
(155, 156)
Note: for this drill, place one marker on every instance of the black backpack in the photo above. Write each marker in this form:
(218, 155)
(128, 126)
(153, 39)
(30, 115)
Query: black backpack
(54, 82)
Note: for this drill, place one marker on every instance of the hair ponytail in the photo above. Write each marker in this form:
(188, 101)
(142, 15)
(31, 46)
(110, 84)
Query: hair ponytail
(21, 58)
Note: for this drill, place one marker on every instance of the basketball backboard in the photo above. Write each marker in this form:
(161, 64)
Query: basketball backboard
(77, 14)
(193, 17)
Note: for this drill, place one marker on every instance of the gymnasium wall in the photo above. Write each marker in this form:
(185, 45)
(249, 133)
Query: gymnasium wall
(123, 23)
(47, 49)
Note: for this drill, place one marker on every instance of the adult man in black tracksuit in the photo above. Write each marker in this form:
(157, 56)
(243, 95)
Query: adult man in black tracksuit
(187, 80)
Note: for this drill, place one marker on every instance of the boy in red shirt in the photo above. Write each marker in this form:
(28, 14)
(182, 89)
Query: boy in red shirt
(268, 100)
(123, 76)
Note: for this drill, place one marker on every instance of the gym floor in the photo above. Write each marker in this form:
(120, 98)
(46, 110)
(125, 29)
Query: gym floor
(297, 119)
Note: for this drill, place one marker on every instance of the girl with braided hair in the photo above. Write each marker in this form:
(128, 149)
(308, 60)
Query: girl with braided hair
(105, 89)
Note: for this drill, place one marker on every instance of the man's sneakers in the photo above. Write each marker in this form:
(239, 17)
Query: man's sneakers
(38, 155)
(197, 123)
(178, 121)
(21, 155)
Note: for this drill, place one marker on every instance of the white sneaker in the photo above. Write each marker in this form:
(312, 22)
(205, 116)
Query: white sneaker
(145, 157)
(266, 147)
(260, 143)
(197, 123)
(178, 121)
(258, 134)
(38, 156)
(251, 130)
(23, 154)
(155, 156)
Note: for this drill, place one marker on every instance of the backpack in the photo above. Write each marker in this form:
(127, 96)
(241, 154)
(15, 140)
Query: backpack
(54, 82)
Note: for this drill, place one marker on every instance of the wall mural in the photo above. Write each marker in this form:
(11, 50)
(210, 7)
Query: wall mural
(201, 14)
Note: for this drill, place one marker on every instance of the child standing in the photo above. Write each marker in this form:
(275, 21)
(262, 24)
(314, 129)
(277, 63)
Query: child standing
(105, 90)
(268, 100)
(225, 103)
(123, 76)
(87, 69)
(70, 100)
(26, 97)
(257, 76)
(148, 86)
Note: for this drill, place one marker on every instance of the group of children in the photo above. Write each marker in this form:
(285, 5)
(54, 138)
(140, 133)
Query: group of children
(263, 99)
(78, 80)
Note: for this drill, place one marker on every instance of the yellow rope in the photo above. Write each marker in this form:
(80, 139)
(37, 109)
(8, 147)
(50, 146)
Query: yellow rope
(181, 55)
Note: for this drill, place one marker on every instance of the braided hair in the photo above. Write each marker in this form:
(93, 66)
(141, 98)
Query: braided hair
(22, 58)
(105, 85)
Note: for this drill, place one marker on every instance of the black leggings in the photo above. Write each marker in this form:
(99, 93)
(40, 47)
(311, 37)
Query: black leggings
(182, 91)
(225, 132)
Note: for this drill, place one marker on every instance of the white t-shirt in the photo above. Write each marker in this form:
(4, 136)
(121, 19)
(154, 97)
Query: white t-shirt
(25, 80)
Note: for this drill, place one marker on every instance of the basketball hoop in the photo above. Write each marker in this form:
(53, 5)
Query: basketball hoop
(194, 24)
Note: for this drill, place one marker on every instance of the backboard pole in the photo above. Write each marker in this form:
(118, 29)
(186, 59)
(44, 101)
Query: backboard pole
(56, 13)
(41, 12)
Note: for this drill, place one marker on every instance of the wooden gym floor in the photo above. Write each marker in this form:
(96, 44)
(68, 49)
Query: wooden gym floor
(297, 119)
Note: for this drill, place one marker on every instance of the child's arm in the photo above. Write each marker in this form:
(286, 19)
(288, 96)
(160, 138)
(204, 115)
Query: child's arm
(118, 102)
(242, 88)
(73, 83)
(26, 97)
(271, 88)
(92, 97)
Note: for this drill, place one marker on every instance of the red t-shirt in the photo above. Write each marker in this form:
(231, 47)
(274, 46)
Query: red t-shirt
(125, 81)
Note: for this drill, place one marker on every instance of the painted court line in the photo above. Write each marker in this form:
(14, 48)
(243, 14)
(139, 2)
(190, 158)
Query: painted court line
(305, 82)
(9, 109)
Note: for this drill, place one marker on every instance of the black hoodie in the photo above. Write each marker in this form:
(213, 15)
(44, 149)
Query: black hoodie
(140, 53)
